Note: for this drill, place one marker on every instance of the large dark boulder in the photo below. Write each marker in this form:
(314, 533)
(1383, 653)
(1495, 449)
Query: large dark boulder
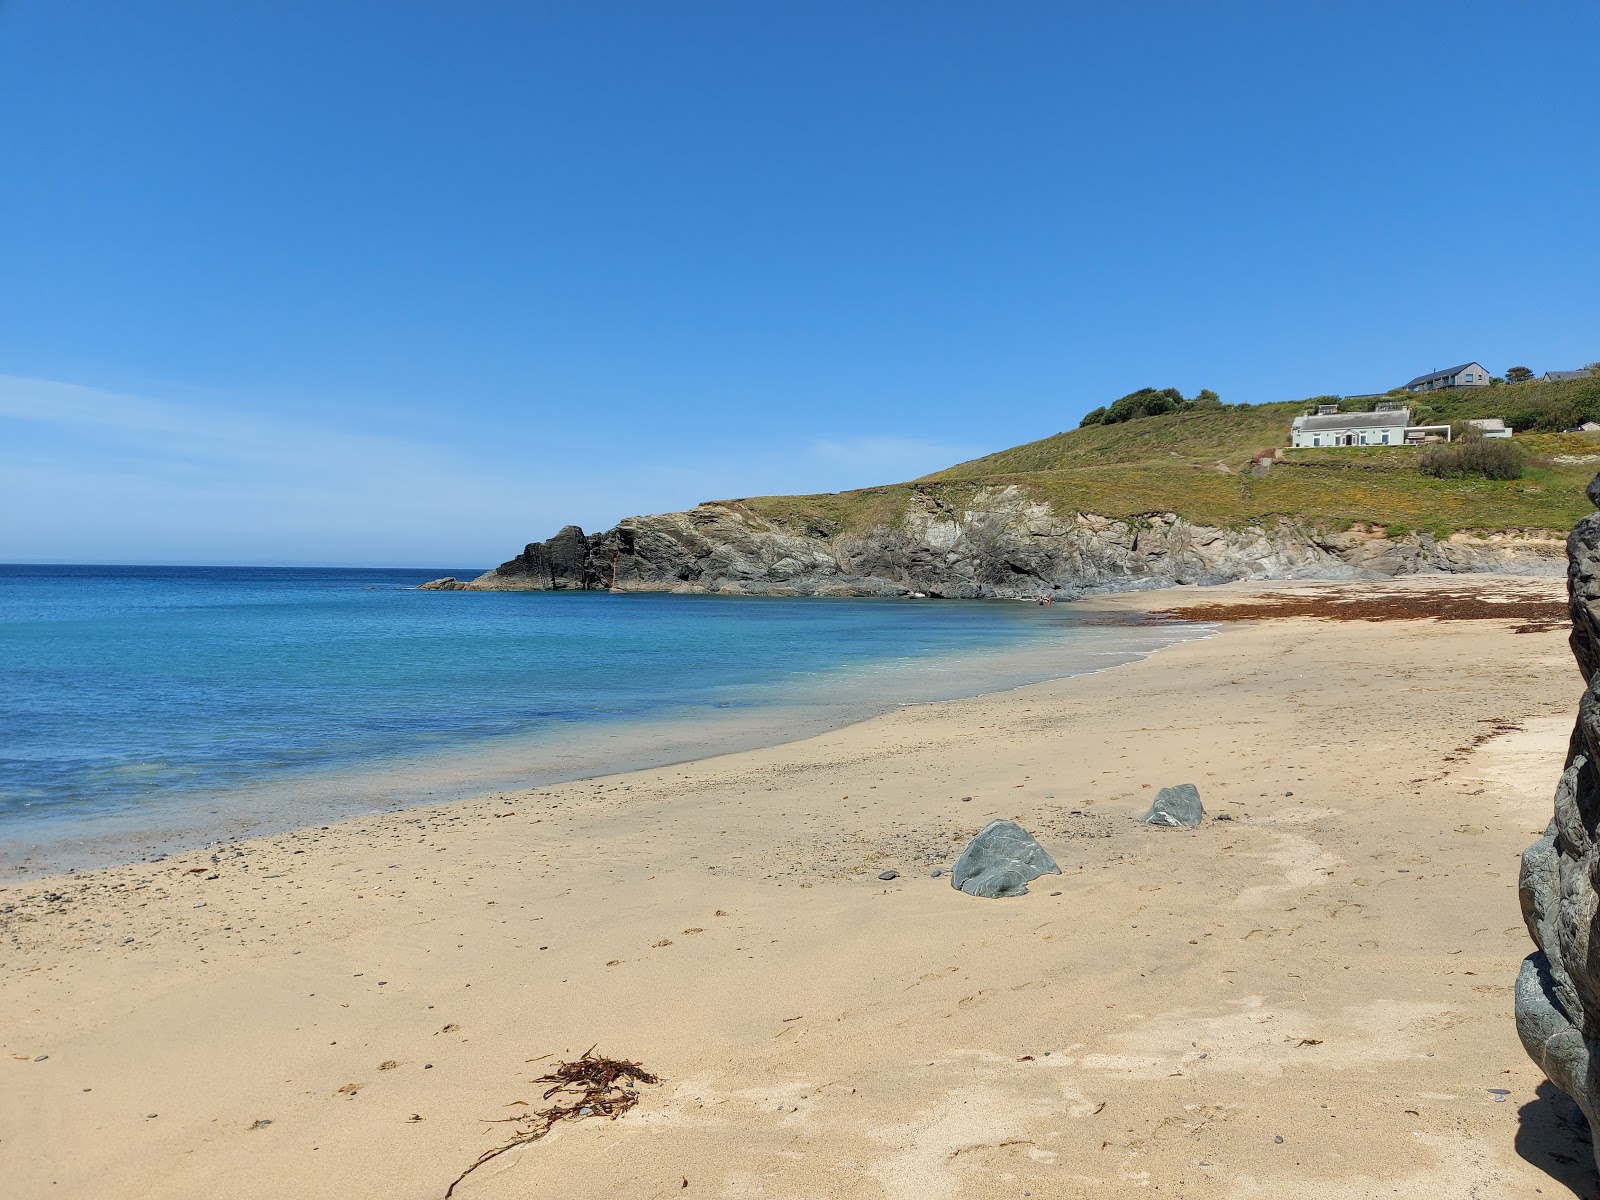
(1000, 861)
(1557, 997)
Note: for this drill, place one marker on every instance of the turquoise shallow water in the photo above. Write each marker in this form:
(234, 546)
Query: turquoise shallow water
(203, 700)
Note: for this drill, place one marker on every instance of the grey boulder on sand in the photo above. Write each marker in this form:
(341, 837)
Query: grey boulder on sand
(1557, 997)
(1176, 807)
(1000, 861)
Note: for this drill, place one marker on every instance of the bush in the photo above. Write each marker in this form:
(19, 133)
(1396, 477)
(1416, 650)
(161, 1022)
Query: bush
(1473, 454)
(1095, 416)
(1152, 402)
(1146, 402)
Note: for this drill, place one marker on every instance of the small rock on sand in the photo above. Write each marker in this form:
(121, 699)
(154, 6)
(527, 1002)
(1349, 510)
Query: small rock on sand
(889, 875)
(1176, 807)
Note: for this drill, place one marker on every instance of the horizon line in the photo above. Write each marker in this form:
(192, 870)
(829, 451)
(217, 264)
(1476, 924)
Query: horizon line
(286, 563)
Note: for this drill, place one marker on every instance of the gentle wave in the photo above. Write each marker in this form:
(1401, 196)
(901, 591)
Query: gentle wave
(145, 706)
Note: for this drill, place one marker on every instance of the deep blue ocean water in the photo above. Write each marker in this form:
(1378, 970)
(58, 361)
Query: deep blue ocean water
(154, 694)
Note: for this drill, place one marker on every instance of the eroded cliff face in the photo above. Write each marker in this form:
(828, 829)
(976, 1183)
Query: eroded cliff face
(1557, 999)
(999, 544)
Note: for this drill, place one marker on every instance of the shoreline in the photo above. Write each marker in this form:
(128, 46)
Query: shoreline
(1309, 997)
(56, 843)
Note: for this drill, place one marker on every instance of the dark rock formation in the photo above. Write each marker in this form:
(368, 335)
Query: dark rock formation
(1176, 807)
(999, 543)
(1558, 989)
(1000, 861)
(570, 560)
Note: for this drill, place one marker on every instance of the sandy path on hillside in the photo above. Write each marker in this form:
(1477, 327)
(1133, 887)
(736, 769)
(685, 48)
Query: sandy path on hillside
(1331, 967)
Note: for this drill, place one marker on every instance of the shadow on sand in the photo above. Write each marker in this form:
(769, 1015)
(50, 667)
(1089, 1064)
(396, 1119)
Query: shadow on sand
(1554, 1137)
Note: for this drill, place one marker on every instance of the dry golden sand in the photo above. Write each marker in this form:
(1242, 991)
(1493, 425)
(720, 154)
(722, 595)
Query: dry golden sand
(1331, 967)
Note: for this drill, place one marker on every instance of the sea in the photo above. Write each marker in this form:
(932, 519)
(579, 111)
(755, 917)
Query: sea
(149, 709)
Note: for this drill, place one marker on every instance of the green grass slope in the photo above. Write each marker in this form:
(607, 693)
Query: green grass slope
(1197, 464)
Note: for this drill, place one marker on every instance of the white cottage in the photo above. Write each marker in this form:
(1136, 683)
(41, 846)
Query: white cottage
(1329, 427)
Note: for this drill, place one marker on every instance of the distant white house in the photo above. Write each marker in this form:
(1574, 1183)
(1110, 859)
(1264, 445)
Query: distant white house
(1466, 375)
(1557, 376)
(1330, 427)
(1390, 425)
(1586, 427)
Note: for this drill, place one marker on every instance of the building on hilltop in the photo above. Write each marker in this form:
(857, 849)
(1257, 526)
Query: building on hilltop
(1466, 375)
(1557, 376)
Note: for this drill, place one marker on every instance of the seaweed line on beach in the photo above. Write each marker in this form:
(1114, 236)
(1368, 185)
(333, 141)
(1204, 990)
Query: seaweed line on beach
(591, 1086)
(1538, 612)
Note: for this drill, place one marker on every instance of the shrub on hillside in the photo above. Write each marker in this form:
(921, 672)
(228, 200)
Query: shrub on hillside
(1150, 402)
(1531, 406)
(1146, 402)
(1473, 454)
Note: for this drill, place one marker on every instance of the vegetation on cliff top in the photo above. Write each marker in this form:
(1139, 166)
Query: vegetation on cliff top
(1198, 464)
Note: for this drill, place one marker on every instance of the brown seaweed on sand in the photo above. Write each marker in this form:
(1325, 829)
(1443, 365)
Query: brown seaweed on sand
(592, 1086)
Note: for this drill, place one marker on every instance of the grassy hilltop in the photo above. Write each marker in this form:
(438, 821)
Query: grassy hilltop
(1196, 464)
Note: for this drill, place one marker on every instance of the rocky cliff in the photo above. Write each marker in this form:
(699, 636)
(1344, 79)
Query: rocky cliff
(998, 543)
(1558, 988)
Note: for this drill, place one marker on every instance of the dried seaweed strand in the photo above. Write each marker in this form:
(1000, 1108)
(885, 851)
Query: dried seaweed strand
(590, 1086)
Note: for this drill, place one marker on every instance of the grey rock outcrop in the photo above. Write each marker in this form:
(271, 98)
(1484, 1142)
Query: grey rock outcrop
(1557, 996)
(998, 543)
(1000, 861)
(1176, 807)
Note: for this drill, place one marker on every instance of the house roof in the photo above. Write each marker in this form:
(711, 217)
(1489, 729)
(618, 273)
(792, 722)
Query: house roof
(1432, 376)
(1584, 373)
(1487, 422)
(1373, 420)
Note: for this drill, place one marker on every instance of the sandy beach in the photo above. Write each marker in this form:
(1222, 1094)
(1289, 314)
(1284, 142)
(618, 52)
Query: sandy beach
(1308, 996)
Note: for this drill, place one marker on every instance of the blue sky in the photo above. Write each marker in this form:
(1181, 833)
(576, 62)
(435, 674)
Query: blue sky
(414, 283)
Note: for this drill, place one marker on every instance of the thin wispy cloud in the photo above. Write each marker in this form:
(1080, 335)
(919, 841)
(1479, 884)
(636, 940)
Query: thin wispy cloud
(98, 475)
(174, 432)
